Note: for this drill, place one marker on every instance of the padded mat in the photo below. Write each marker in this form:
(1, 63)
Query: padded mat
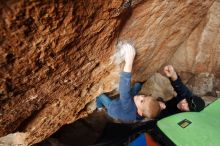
(194, 128)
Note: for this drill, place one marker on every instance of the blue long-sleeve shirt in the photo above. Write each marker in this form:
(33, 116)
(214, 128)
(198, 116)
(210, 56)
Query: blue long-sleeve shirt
(123, 108)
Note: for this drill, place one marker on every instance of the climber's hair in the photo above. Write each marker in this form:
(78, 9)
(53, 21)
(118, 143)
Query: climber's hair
(153, 108)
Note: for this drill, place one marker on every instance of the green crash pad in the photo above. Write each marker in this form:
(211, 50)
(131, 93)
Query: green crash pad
(194, 128)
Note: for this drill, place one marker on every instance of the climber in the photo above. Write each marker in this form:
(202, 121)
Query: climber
(184, 101)
(130, 106)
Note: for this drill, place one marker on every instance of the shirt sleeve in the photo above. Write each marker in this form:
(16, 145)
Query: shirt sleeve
(181, 90)
(124, 89)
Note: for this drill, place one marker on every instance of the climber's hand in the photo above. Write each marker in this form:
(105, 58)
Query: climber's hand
(170, 72)
(129, 51)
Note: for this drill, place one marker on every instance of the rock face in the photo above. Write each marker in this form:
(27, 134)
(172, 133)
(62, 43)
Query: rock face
(52, 54)
(57, 56)
(200, 51)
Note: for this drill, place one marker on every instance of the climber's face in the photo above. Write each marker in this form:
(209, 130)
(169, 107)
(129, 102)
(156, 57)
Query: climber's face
(183, 105)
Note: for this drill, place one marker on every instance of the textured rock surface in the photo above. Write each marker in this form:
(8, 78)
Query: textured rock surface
(14, 139)
(158, 86)
(199, 55)
(50, 61)
(160, 30)
(202, 84)
(200, 52)
(56, 56)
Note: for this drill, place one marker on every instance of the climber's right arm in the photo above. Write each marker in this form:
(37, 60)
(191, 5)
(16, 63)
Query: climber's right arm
(129, 57)
(125, 76)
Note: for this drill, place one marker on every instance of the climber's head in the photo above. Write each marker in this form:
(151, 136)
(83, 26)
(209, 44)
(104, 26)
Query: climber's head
(147, 106)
